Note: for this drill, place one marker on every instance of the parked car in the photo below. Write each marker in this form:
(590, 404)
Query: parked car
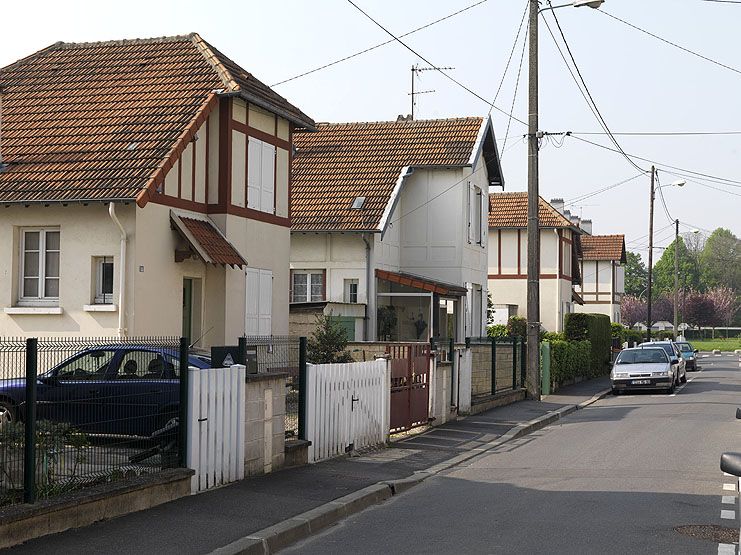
(110, 389)
(643, 368)
(689, 354)
(675, 355)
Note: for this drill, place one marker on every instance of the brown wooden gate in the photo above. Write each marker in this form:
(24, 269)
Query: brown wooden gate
(410, 385)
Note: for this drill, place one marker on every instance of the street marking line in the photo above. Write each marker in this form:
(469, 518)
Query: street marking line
(729, 500)
(726, 549)
(729, 487)
(729, 515)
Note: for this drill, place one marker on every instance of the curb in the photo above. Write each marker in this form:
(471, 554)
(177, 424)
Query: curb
(290, 531)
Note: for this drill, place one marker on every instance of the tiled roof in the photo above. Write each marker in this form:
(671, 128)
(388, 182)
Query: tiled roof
(102, 121)
(510, 210)
(207, 241)
(603, 247)
(422, 283)
(340, 162)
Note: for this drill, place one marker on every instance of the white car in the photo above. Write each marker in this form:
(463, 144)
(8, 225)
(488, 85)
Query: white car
(644, 368)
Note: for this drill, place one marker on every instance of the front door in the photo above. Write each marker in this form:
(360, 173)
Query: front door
(187, 307)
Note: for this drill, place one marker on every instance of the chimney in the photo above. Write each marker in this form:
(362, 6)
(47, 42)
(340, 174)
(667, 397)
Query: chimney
(402, 117)
(567, 214)
(557, 203)
(576, 220)
(586, 226)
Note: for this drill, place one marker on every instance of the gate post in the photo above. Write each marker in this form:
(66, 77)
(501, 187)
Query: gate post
(183, 413)
(493, 365)
(514, 362)
(523, 360)
(29, 447)
(302, 388)
(451, 348)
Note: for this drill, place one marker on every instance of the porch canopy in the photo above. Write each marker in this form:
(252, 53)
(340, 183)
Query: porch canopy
(205, 241)
(415, 308)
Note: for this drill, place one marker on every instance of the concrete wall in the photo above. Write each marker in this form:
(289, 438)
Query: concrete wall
(265, 423)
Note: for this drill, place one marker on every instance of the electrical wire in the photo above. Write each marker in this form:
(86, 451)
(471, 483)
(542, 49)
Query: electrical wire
(658, 133)
(517, 81)
(380, 44)
(585, 196)
(675, 45)
(509, 60)
(585, 92)
(428, 62)
(723, 180)
(663, 200)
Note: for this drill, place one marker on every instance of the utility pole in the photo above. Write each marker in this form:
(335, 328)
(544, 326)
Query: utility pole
(533, 200)
(676, 275)
(650, 252)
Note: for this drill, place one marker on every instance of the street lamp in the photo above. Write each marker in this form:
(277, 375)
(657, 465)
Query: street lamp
(677, 183)
(533, 197)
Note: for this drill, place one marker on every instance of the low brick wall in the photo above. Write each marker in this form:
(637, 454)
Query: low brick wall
(265, 423)
(20, 523)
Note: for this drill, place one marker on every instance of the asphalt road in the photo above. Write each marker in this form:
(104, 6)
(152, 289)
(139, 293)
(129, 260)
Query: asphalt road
(620, 476)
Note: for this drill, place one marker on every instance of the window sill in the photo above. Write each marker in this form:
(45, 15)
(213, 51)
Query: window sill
(100, 308)
(33, 310)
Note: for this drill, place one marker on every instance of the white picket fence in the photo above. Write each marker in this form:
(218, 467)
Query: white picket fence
(347, 407)
(215, 450)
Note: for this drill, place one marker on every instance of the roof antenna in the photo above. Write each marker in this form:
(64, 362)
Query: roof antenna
(416, 69)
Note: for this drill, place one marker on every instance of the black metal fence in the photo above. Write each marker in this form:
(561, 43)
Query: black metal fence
(277, 353)
(76, 412)
(499, 364)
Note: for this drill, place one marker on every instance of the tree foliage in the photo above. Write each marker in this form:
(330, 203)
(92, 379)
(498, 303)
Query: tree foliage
(636, 274)
(328, 342)
(721, 260)
(663, 273)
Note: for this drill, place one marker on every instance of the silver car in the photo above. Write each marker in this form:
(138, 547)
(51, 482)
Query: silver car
(675, 355)
(643, 368)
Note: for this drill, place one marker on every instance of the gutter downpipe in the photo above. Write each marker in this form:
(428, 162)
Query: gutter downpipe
(366, 327)
(121, 271)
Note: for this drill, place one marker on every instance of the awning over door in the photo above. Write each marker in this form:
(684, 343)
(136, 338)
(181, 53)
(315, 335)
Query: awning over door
(425, 284)
(205, 241)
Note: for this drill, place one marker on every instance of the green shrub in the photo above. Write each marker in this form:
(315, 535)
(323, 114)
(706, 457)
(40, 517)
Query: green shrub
(618, 330)
(596, 329)
(517, 326)
(497, 330)
(570, 359)
(553, 336)
(327, 343)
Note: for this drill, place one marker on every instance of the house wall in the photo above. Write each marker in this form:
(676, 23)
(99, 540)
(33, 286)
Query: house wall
(85, 232)
(602, 288)
(507, 261)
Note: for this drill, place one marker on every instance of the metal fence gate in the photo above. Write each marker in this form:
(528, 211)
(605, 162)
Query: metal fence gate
(410, 385)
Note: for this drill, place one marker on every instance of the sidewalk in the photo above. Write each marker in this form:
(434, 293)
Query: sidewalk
(202, 523)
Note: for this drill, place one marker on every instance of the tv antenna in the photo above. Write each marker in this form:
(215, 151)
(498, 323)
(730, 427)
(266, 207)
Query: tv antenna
(415, 70)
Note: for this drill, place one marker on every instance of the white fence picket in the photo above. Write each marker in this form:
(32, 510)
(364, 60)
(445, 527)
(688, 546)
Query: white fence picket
(334, 421)
(215, 449)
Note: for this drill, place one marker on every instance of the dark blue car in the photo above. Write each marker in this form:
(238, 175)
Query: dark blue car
(112, 389)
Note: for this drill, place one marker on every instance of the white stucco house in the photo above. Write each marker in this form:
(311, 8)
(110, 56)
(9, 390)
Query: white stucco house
(559, 256)
(388, 227)
(603, 275)
(144, 190)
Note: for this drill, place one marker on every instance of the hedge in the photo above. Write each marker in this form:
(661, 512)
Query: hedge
(570, 359)
(596, 329)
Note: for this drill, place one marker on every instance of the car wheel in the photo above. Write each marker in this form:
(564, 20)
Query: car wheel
(7, 413)
(670, 389)
(615, 391)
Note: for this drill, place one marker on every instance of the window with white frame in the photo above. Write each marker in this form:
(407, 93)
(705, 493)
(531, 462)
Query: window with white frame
(307, 286)
(351, 291)
(39, 267)
(260, 176)
(103, 267)
(477, 210)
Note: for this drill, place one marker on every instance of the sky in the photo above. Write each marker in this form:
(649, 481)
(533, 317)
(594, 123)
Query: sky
(639, 84)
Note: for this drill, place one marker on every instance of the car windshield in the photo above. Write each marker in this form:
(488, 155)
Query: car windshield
(641, 356)
(666, 346)
(685, 347)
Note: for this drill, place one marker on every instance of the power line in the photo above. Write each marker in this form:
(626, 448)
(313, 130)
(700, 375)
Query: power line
(519, 72)
(428, 62)
(585, 196)
(675, 45)
(509, 60)
(663, 200)
(688, 178)
(380, 44)
(590, 100)
(724, 1)
(658, 133)
(722, 180)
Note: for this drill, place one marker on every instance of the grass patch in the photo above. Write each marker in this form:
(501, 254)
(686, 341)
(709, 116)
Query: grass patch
(730, 344)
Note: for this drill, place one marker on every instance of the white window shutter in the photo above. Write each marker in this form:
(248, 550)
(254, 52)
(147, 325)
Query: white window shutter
(484, 218)
(469, 211)
(267, 178)
(252, 296)
(469, 310)
(266, 302)
(254, 169)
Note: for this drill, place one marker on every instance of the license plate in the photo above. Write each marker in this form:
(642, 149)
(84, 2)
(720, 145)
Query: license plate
(641, 382)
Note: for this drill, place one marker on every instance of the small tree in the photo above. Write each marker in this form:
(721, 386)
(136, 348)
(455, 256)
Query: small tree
(517, 326)
(328, 342)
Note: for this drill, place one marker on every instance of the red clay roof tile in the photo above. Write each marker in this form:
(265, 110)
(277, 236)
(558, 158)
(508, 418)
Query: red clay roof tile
(603, 247)
(510, 210)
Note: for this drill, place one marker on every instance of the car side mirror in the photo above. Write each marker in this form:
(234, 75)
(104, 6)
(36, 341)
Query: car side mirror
(50, 380)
